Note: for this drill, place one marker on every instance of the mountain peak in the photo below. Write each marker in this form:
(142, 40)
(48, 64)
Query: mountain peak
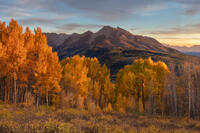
(113, 38)
(87, 32)
(107, 28)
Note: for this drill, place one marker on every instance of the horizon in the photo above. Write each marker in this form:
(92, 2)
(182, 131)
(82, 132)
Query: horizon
(170, 22)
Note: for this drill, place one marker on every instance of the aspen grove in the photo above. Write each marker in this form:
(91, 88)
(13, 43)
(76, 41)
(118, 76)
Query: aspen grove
(31, 74)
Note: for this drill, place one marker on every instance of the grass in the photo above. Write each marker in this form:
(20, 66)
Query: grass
(17, 119)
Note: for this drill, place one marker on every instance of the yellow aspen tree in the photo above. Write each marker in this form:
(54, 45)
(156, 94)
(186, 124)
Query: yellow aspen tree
(47, 70)
(94, 70)
(3, 32)
(109, 93)
(160, 69)
(142, 79)
(54, 76)
(29, 39)
(104, 80)
(101, 88)
(40, 66)
(75, 78)
(4, 68)
(125, 87)
(27, 65)
(16, 53)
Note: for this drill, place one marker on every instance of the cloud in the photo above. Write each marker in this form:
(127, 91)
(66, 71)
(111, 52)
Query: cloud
(190, 7)
(186, 29)
(111, 10)
(74, 26)
(104, 10)
(118, 9)
(107, 10)
(179, 38)
(13, 11)
(192, 11)
(16, 12)
(35, 8)
(33, 21)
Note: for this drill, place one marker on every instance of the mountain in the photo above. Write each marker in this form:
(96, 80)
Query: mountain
(54, 39)
(109, 38)
(117, 47)
(192, 50)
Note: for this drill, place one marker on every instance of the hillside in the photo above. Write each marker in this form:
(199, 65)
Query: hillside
(54, 39)
(117, 47)
(111, 38)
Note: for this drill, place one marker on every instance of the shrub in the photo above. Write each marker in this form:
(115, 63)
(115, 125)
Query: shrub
(53, 126)
(150, 129)
(5, 114)
(33, 126)
(9, 127)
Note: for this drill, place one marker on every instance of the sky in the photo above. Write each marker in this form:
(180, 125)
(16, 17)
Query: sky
(172, 22)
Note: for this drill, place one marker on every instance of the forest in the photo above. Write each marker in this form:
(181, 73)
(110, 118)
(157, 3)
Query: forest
(31, 74)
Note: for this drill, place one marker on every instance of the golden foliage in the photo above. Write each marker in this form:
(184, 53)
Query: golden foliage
(86, 78)
(142, 79)
(28, 62)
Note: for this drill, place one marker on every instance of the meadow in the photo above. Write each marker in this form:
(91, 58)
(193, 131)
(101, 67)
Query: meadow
(44, 119)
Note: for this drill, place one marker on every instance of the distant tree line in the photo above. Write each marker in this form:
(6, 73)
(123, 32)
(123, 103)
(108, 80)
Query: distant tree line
(32, 74)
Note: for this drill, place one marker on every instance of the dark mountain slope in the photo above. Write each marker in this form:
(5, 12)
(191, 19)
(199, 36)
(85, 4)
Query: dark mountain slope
(55, 40)
(111, 38)
(117, 47)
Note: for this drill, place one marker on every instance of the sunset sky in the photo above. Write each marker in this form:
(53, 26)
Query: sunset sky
(174, 22)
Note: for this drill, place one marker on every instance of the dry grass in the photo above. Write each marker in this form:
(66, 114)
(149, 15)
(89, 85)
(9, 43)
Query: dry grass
(17, 119)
